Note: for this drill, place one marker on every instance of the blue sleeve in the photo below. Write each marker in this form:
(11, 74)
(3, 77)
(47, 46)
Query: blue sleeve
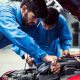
(18, 51)
(10, 28)
(64, 34)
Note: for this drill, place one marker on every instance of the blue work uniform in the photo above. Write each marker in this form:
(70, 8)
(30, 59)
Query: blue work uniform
(51, 41)
(10, 26)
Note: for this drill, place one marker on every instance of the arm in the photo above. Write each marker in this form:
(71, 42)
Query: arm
(10, 28)
(64, 35)
(22, 54)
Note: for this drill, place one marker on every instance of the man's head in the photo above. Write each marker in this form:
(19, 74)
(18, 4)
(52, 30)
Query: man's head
(51, 19)
(33, 9)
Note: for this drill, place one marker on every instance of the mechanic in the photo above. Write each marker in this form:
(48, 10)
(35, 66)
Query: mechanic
(13, 19)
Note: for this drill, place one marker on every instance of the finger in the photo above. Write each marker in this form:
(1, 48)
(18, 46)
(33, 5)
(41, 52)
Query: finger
(55, 68)
(57, 71)
(30, 63)
(54, 63)
(52, 68)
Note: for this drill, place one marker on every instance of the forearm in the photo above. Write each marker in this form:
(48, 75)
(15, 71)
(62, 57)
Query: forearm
(65, 38)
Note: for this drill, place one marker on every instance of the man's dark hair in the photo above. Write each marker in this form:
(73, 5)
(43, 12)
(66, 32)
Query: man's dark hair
(52, 17)
(38, 7)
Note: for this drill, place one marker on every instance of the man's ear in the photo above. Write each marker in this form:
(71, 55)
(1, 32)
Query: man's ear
(24, 8)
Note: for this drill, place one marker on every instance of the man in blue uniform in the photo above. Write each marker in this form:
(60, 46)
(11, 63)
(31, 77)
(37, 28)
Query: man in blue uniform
(13, 19)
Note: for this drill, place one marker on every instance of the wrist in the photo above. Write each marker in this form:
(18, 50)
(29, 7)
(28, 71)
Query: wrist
(45, 58)
(65, 52)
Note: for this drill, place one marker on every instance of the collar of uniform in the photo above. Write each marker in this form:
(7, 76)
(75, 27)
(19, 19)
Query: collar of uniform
(18, 15)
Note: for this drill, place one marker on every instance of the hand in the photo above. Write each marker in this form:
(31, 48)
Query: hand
(55, 68)
(65, 53)
(75, 54)
(50, 58)
(29, 60)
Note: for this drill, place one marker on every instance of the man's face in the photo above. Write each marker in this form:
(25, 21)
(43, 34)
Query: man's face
(47, 27)
(28, 17)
